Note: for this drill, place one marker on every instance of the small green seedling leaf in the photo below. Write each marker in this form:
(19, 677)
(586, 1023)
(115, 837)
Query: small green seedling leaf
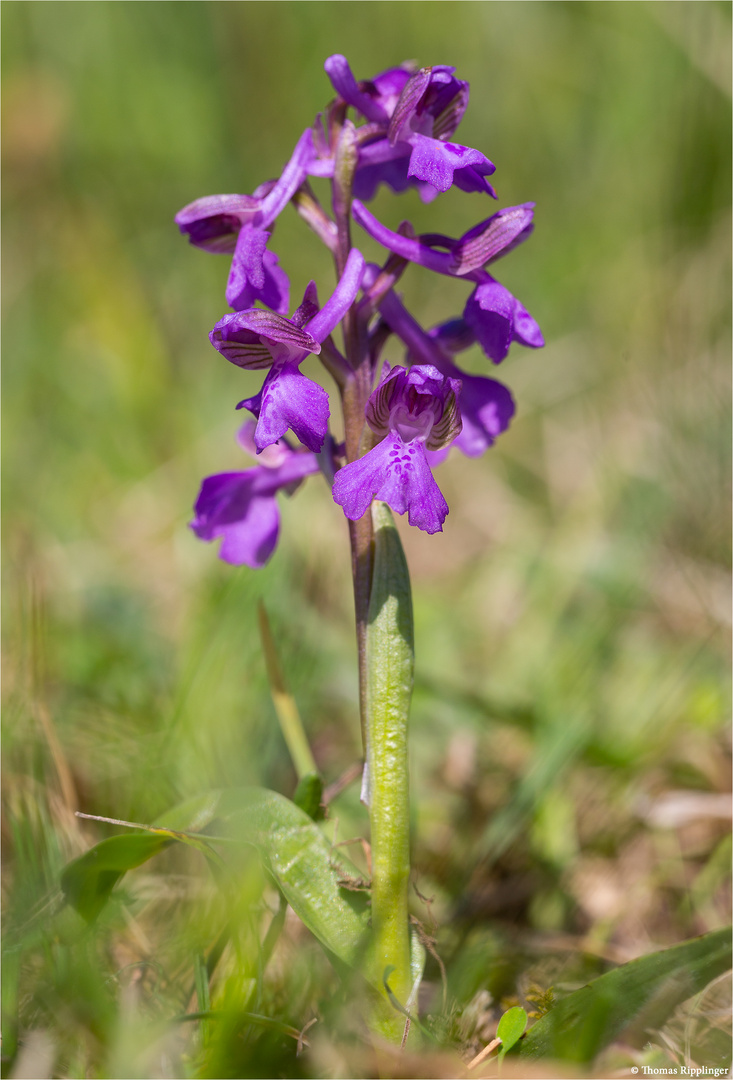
(511, 1027)
(308, 795)
(88, 881)
(645, 991)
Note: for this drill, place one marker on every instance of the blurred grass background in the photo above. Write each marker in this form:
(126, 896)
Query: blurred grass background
(570, 725)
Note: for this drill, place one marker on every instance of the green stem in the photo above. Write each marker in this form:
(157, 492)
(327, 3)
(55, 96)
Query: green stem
(390, 667)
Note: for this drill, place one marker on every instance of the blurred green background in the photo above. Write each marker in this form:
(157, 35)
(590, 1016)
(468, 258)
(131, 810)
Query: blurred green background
(570, 724)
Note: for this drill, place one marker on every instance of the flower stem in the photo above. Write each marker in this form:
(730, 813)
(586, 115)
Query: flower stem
(354, 394)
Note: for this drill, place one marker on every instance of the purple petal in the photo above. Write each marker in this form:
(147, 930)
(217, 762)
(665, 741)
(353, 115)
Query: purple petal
(272, 456)
(239, 345)
(252, 540)
(239, 337)
(380, 151)
(497, 318)
(526, 330)
(289, 399)
(393, 173)
(379, 163)
(213, 223)
(435, 162)
(247, 265)
(223, 499)
(229, 507)
(473, 178)
(275, 292)
(343, 296)
(409, 100)
(409, 247)
(487, 408)
(389, 85)
(338, 70)
(491, 239)
(453, 336)
(419, 404)
(309, 306)
(489, 312)
(379, 405)
(240, 508)
(447, 103)
(254, 404)
(290, 180)
(396, 473)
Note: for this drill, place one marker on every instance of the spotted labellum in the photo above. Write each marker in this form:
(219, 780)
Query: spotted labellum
(401, 416)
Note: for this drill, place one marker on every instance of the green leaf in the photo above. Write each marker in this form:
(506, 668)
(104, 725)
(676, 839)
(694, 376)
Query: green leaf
(88, 881)
(308, 795)
(645, 991)
(390, 658)
(295, 852)
(292, 847)
(511, 1028)
(303, 864)
(193, 815)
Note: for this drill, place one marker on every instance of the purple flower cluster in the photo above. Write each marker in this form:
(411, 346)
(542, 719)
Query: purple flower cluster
(399, 421)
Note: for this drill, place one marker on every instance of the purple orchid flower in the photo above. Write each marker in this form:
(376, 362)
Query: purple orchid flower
(256, 339)
(412, 411)
(487, 406)
(414, 115)
(240, 225)
(495, 316)
(241, 508)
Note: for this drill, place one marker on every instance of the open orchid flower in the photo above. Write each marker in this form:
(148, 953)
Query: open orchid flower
(496, 317)
(486, 405)
(240, 508)
(239, 224)
(265, 339)
(413, 114)
(413, 411)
